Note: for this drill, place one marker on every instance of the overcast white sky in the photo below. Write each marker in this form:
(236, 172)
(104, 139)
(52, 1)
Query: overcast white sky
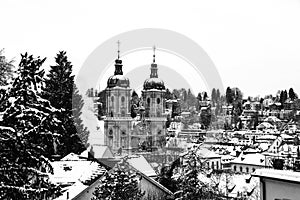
(254, 44)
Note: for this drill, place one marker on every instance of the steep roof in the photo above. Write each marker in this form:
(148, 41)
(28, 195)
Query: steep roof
(141, 164)
(205, 153)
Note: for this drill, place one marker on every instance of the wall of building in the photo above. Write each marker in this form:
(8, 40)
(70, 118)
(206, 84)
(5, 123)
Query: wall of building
(214, 163)
(280, 190)
(244, 168)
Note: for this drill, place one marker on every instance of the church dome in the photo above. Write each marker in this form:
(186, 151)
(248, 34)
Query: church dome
(154, 83)
(117, 81)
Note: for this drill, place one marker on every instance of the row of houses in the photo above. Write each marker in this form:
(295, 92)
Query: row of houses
(80, 175)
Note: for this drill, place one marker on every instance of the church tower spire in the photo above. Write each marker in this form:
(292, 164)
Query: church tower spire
(154, 66)
(118, 62)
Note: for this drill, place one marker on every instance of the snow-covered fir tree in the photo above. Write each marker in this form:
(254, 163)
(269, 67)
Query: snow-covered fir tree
(190, 186)
(118, 184)
(61, 91)
(27, 133)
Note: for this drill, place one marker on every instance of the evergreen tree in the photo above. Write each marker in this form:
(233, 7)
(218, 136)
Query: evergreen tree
(205, 117)
(118, 184)
(281, 98)
(199, 97)
(82, 131)
(229, 96)
(285, 95)
(218, 95)
(168, 94)
(205, 96)
(27, 135)
(60, 90)
(190, 186)
(214, 96)
(292, 94)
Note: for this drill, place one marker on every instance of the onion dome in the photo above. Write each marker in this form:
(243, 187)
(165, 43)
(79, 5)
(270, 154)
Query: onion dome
(118, 79)
(154, 82)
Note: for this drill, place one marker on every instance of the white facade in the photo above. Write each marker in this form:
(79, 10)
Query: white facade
(278, 184)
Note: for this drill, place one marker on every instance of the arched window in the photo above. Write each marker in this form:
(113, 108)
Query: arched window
(247, 169)
(112, 102)
(234, 168)
(158, 100)
(110, 138)
(241, 169)
(123, 100)
(148, 100)
(123, 139)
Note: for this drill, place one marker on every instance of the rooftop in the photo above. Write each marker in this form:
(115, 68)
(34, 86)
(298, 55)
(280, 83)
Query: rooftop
(283, 175)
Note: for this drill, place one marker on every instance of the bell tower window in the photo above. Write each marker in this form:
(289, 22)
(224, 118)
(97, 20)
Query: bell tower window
(148, 101)
(123, 100)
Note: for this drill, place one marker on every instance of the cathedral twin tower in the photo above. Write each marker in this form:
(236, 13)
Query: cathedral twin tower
(127, 133)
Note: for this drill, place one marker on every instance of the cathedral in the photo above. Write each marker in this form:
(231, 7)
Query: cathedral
(121, 130)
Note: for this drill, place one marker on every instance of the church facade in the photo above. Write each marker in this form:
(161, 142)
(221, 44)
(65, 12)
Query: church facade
(121, 131)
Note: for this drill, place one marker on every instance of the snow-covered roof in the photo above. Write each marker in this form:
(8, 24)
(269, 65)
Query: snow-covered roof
(72, 156)
(205, 153)
(264, 146)
(265, 125)
(141, 164)
(286, 137)
(185, 113)
(227, 157)
(267, 137)
(284, 175)
(251, 159)
(233, 184)
(72, 191)
(272, 119)
(101, 151)
(71, 169)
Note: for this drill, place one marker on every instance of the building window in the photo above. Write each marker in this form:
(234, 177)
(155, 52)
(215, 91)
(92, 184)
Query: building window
(234, 168)
(253, 170)
(247, 169)
(123, 100)
(158, 100)
(217, 164)
(241, 169)
(148, 100)
(212, 165)
(110, 138)
(112, 99)
(123, 142)
(123, 113)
